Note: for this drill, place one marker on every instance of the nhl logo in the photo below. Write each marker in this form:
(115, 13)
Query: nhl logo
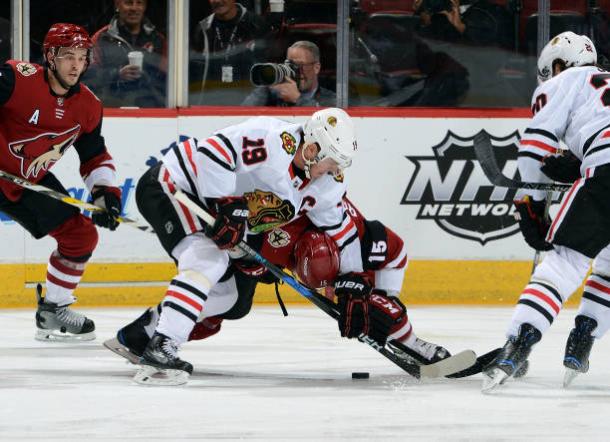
(451, 189)
(169, 227)
(60, 101)
(278, 238)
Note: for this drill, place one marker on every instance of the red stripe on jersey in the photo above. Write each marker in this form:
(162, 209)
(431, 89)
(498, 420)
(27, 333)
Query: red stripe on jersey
(217, 146)
(189, 218)
(542, 296)
(343, 232)
(189, 155)
(56, 263)
(184, 298)
(565, 204)
(606, 134)
(61, 283)
(291, 171)
(538, 144)
(169, 183)
(598, 286)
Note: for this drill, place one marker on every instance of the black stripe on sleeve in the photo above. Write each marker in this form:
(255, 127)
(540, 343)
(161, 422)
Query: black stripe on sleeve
(590, 140)
(544, 133)
(180, 309)
(229, 146)
(195, 291)
(348, 241)
(208, 153)
(336, 226)
(538, 308)
(605, 278)
(185, 170)
(535, 156)
(596, 149)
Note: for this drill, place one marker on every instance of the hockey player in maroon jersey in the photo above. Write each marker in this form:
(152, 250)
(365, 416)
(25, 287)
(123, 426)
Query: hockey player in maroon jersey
(572, 104)
(43, 111)
(314, 257)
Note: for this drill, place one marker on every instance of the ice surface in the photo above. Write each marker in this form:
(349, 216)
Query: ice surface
(266, 377)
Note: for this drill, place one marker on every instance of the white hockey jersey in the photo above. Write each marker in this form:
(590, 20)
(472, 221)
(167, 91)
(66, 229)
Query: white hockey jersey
(254, 159)
(573, 106)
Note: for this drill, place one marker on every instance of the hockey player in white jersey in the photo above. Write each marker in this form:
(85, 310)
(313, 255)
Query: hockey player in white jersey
(253, 177)
(572, 103)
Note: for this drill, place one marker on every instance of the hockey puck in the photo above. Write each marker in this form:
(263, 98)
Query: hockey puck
(360, 375)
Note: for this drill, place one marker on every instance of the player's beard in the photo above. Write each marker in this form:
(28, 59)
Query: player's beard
(62, 81)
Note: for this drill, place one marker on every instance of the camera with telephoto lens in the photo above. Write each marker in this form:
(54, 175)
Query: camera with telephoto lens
(435, 6)
(268, 74)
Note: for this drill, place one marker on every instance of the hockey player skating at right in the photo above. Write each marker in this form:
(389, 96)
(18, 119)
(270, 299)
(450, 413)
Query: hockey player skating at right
(314, 257)
(571, 104)
(44, 111)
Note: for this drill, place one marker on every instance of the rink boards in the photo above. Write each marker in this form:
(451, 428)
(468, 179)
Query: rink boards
(415, 171)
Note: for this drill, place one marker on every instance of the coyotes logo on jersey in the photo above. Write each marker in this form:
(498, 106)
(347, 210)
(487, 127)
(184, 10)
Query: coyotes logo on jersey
(26, 69)
(41, 152)
(267, 210)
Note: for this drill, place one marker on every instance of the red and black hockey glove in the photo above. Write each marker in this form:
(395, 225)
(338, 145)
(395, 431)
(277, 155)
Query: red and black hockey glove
(230, 225)
(353, 291)
(387, 315)
(533, 223)
(564, 168)
(109, 198)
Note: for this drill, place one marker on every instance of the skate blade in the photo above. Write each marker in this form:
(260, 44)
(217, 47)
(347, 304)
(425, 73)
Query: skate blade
(116, 347)
(492, 379)
(450, 365)
(57, 336)
(149, 375)
(569, 377)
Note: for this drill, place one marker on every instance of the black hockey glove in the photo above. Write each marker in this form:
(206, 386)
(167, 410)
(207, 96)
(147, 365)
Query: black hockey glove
(533, 223)
(563, 168)
(230, 225)
(109, 198)
(386, 312)
(353, 291)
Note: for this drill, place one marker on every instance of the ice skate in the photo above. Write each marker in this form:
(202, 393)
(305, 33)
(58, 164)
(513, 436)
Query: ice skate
(132, 339)
(419, 352)
(61, 324)
(512, 357)
(161, 364)
(578, 348)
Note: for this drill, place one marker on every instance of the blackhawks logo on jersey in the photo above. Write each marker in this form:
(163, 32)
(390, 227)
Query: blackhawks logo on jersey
(26, 69)
(339, 177)
(267, 210)
(289, 143)
(43, 151)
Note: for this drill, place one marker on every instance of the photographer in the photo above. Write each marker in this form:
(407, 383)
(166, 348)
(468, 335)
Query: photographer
(300, 87)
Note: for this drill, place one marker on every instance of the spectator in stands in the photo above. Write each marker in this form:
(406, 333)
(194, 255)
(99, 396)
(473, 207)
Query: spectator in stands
(130, 59)
(224, 46)
(305, 91)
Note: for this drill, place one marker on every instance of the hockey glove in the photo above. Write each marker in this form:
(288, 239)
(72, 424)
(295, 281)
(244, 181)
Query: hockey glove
(230, 225)
(533, 223)
(255, 270)
(563, 168)
(108, 198)
(387, 315)
(352, 291)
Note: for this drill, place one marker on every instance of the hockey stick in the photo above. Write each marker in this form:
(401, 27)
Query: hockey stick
(68, 199)
(442, 368)
(483, 150)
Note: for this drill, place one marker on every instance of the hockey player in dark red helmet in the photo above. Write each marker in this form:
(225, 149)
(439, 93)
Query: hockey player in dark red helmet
(44, 110)
(314, 257)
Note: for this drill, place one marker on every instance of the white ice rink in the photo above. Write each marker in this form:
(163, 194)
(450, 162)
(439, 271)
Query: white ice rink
(266, 377)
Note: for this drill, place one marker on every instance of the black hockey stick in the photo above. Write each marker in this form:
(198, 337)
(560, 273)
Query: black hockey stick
(68, 199)
(484, 152)
(439, 369)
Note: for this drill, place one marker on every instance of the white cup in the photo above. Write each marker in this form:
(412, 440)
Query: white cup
(136, 58)
(276, 5)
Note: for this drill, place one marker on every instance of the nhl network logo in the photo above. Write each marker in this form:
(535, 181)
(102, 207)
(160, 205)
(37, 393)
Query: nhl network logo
(452, 189)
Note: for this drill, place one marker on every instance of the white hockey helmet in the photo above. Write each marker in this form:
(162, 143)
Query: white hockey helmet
(333, 130)
(570, 48)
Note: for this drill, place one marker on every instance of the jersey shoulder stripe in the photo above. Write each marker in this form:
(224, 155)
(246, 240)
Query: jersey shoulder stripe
(219, 149)
(185, 171)
(542, 132)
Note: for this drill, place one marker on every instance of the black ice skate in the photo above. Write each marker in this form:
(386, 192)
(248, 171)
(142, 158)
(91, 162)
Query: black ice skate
(132, 339)
(60, 323)
(578, 348)
(161, 364)
(420, 352)
(512, 357)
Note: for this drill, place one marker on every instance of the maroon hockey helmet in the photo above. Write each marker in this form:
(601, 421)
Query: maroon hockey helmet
(66, 35)
(316, 259)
